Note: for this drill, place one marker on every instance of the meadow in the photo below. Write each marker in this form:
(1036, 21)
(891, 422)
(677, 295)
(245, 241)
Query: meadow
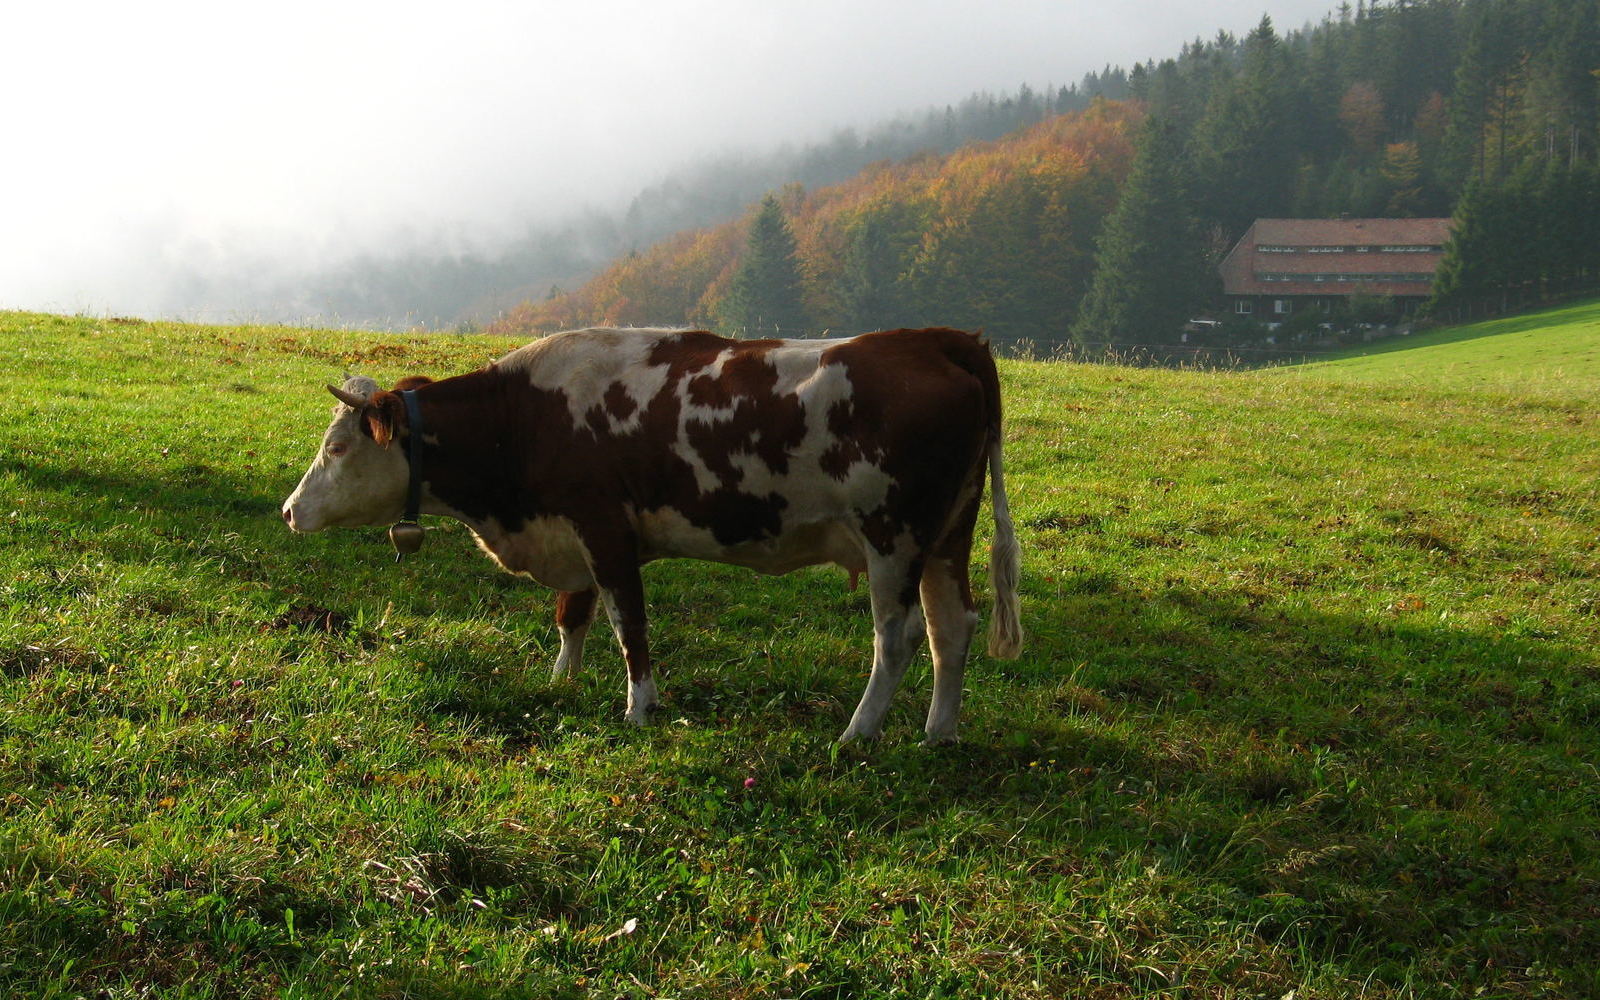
(1310, 705)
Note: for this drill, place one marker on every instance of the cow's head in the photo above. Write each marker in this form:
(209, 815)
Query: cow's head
(359, 476)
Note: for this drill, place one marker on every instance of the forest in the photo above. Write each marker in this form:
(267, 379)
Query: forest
(1101, 216)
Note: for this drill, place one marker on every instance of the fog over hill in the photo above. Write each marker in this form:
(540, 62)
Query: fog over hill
(384, 164)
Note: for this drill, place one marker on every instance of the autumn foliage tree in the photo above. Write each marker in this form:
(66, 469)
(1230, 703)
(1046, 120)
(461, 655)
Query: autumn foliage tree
(1361, 113)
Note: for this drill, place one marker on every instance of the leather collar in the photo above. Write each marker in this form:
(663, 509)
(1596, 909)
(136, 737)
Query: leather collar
(406, 535)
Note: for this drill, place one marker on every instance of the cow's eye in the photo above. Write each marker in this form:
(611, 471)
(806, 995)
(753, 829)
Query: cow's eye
(337, 448)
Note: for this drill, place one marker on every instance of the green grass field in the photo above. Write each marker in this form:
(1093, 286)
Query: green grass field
(1555, 351)
(1310, 706)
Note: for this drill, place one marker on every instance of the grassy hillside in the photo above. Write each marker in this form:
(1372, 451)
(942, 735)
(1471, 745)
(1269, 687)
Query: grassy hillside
(1555, 351)
(1311, 704)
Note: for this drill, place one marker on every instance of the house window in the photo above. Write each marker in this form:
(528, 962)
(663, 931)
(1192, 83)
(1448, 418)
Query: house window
(1282, 307)
(1244, 307)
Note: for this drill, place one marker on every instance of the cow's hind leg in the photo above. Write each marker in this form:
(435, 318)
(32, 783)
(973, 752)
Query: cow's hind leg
(916, 627)
(952, 618)
(574, 615)
(894, 602)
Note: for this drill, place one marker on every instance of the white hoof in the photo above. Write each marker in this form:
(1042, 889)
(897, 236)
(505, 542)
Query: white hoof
(854, 735)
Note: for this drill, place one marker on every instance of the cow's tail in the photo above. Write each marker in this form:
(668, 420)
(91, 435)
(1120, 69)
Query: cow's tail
(971, 353)
(1005, 557)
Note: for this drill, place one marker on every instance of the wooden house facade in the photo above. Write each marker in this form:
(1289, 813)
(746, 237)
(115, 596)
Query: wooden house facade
(1283, 266)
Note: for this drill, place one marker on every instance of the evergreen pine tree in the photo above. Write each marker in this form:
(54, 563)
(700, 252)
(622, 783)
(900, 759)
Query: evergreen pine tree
(1467, 276)
(1248, 140)
(1570, 98)
(879, 244)
(765, 298)
(1150, 265)
(1584, 202)
(1487, 77)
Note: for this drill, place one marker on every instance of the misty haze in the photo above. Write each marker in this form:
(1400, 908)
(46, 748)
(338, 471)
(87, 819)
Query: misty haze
(379, 166)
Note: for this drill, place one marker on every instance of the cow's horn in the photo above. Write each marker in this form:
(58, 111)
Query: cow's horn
(349, 399)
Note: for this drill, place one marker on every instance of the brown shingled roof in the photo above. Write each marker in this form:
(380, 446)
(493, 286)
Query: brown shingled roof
(1350, 232)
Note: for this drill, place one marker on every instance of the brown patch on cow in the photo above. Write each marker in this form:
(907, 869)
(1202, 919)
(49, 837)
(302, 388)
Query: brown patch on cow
(693, 350)
(734, 517)
(615, 405)
(618, 403)
(882, 530)
(615, 554)
(412, 382)
(575, 608)
(955, 548)
(763, 422)
(709, 392)
(848, 446)
(507, 451)
(755, 419)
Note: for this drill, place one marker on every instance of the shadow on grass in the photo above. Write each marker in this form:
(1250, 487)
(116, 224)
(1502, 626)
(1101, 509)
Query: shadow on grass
(195, 489)
(1377, 788)
(1334, 681)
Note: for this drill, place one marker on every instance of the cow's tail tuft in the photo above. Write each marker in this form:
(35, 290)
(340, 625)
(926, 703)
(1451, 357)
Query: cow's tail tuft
(1005, 557)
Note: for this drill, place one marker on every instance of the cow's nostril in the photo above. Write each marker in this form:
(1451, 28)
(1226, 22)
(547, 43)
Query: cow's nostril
(287, 517)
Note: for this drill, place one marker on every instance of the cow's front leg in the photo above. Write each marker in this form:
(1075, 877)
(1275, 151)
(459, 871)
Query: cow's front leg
(574, 615)
(622, 593)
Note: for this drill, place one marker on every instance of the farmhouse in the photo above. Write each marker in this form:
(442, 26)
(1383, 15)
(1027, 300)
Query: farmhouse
(1283, 266)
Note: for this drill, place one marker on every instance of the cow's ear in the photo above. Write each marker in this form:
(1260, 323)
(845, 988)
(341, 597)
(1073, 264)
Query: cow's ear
(382, 416)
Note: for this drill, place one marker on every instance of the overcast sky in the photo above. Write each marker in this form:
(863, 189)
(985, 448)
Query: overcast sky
(141, 136)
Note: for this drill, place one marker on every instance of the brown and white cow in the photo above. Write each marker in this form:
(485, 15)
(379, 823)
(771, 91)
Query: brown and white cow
(584, 455)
